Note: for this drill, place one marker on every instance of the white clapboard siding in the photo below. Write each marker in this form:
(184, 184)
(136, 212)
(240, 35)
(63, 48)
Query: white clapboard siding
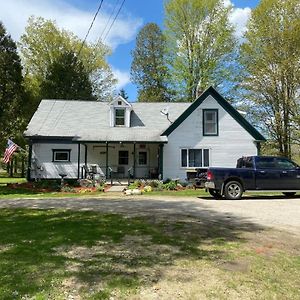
(42, 165)
(232, 142)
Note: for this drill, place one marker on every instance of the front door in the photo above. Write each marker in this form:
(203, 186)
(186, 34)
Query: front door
(122, 164)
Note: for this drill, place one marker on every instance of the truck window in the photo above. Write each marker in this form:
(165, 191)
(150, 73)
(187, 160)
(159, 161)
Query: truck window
(266, 163)
(245, 162)
(284, 163)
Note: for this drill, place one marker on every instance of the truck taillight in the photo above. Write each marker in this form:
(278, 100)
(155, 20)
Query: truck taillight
(209, 175)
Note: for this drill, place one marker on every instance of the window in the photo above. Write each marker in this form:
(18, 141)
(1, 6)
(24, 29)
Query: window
(62, 155)
(210, 122)
(286, 164)
(265, 163)
(123, 157)
(194, 158)
(142, 158)
(120, 116)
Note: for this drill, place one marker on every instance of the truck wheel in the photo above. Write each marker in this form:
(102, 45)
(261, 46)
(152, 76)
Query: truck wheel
(289, 194)
(215, 194)
(233, 190)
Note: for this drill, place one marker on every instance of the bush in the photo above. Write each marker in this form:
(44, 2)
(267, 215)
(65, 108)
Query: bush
(147, 188)
(47, 184)
(171, 185)
(68, 189)
(101, 188)
(183, 183)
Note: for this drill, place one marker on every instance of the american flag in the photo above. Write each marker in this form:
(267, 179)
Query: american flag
(10, 149)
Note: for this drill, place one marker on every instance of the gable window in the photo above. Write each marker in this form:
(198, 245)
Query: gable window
(142, 158)
(120, 116)
(194, 158)
(61, 155)
(210, 122)
(123, 157)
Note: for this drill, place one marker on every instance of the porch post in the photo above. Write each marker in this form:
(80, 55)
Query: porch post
(78, 162)
(85, 159)
(134, 154)
(29, 162)
(161, 160)
(106, 159)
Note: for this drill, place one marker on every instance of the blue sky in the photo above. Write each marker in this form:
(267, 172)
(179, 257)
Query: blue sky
(76, 15)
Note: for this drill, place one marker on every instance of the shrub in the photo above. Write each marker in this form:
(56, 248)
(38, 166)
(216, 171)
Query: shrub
(67, 189)
(183, 183)
(171, 185)
(101, 188)
(147, 188)
(47, 184)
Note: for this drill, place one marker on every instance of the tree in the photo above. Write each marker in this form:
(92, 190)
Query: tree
(201, 45)
(271, 59)
(66, 78)
(123, 94)
(148, 69)
(42, 44)
(11, 89)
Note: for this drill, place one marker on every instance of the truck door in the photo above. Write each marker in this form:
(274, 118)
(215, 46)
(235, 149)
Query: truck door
(289, 174)
(267, 175)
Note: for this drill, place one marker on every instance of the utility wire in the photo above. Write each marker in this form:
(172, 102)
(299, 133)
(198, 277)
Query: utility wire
(113, 11)
(114, 20)
(95, 16)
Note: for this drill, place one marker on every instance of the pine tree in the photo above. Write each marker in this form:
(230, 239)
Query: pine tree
(148, 69)
(66, 78)
(11, 89)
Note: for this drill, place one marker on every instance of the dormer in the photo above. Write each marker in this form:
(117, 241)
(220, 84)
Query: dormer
(120, 111)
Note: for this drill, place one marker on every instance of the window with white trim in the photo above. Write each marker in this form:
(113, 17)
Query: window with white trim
(120, 116)
(61, 155)
(210, 122)
(194, 158)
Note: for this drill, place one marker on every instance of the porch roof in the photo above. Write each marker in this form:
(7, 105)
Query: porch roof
(89, 121)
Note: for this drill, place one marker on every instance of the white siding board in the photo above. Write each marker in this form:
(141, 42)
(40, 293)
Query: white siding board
(43, 167)
(232, 142)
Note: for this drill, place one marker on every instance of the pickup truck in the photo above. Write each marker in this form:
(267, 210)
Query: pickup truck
(254, 173)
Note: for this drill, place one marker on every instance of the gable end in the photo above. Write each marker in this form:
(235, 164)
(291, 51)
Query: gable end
(227, 107)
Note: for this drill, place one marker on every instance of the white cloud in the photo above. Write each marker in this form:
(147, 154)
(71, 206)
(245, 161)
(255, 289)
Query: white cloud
(15, 14)
(239, 18)
(123, 78)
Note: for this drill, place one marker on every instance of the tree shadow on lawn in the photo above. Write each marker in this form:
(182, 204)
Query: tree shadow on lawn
(40, 250)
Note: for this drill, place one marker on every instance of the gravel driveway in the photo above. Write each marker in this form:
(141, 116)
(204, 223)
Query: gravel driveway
(277, 213)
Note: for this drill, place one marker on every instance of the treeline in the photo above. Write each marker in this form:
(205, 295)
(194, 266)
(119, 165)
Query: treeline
(258, 73)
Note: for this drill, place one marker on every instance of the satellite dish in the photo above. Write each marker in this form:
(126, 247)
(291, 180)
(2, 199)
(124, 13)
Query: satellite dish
(164, 111)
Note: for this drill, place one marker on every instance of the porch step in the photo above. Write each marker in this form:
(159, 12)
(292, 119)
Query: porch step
(116, 188)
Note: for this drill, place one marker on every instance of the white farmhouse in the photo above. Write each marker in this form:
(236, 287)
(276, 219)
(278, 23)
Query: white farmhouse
(140, 140)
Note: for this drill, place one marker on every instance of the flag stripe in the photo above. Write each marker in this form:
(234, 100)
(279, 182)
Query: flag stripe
(10, 149)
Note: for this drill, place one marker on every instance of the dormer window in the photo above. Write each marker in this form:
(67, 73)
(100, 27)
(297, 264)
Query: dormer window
(120, 116)
(120, 112)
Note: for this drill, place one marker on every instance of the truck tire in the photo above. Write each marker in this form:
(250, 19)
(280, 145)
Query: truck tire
(289, 194)
(233, 190)
(215, 194)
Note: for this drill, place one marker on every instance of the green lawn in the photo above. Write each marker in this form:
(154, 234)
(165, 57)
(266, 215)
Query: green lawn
(55, 254)
(5, 180)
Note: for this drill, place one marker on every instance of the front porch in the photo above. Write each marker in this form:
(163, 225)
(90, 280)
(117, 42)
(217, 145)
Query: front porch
(120, 161)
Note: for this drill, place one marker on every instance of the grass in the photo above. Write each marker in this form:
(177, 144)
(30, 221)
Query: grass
(5, 180)
(56, 254)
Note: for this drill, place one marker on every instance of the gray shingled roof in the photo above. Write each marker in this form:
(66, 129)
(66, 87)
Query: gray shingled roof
(89, 121)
